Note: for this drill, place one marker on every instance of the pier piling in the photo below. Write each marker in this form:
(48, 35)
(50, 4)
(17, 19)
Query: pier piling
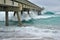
(18, 17)
(6, 18)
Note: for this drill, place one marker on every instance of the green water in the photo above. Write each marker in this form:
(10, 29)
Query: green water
(11, 23)
(43, 22)
(52, 21)
(49, 21)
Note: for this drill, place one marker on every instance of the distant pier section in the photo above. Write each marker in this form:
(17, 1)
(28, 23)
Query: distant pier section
(17, 6)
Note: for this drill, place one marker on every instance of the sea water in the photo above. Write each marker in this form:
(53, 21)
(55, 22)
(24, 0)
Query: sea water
(45, 26)
(46, 21)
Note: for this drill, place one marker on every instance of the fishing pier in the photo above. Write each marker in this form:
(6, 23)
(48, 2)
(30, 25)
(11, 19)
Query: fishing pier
(17, 6)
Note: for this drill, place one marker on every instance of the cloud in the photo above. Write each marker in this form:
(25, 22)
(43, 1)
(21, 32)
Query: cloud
(48, 4)
(53, 8)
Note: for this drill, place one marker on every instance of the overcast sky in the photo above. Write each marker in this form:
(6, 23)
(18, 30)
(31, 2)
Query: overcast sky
(48, 4)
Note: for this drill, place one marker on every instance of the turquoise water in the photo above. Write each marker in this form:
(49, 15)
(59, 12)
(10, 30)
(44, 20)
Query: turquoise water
(45, 22)
(44, 27)
(48, 21)
(42, 22)
(11, 23)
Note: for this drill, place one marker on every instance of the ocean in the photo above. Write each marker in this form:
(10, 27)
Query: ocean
(45, 26)
(45, 21)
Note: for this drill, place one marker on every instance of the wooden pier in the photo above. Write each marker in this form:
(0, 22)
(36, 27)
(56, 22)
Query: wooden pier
(17, 6)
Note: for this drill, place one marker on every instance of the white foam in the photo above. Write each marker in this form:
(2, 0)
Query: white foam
(53, 33)
(41, 32)
(35, 16)
(43, 16)
(25, 16)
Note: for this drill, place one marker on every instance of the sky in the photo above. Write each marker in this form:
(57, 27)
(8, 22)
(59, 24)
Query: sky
(50, 5)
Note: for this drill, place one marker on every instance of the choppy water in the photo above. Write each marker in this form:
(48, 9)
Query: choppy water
(53, 21)
(45, 26)
(43, 22)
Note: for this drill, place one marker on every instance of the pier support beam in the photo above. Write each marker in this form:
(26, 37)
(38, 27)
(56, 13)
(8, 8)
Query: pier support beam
(39, 13)
(14, 13)
(21, 12)
(28, 11)
(6, 18)
(18, 17)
